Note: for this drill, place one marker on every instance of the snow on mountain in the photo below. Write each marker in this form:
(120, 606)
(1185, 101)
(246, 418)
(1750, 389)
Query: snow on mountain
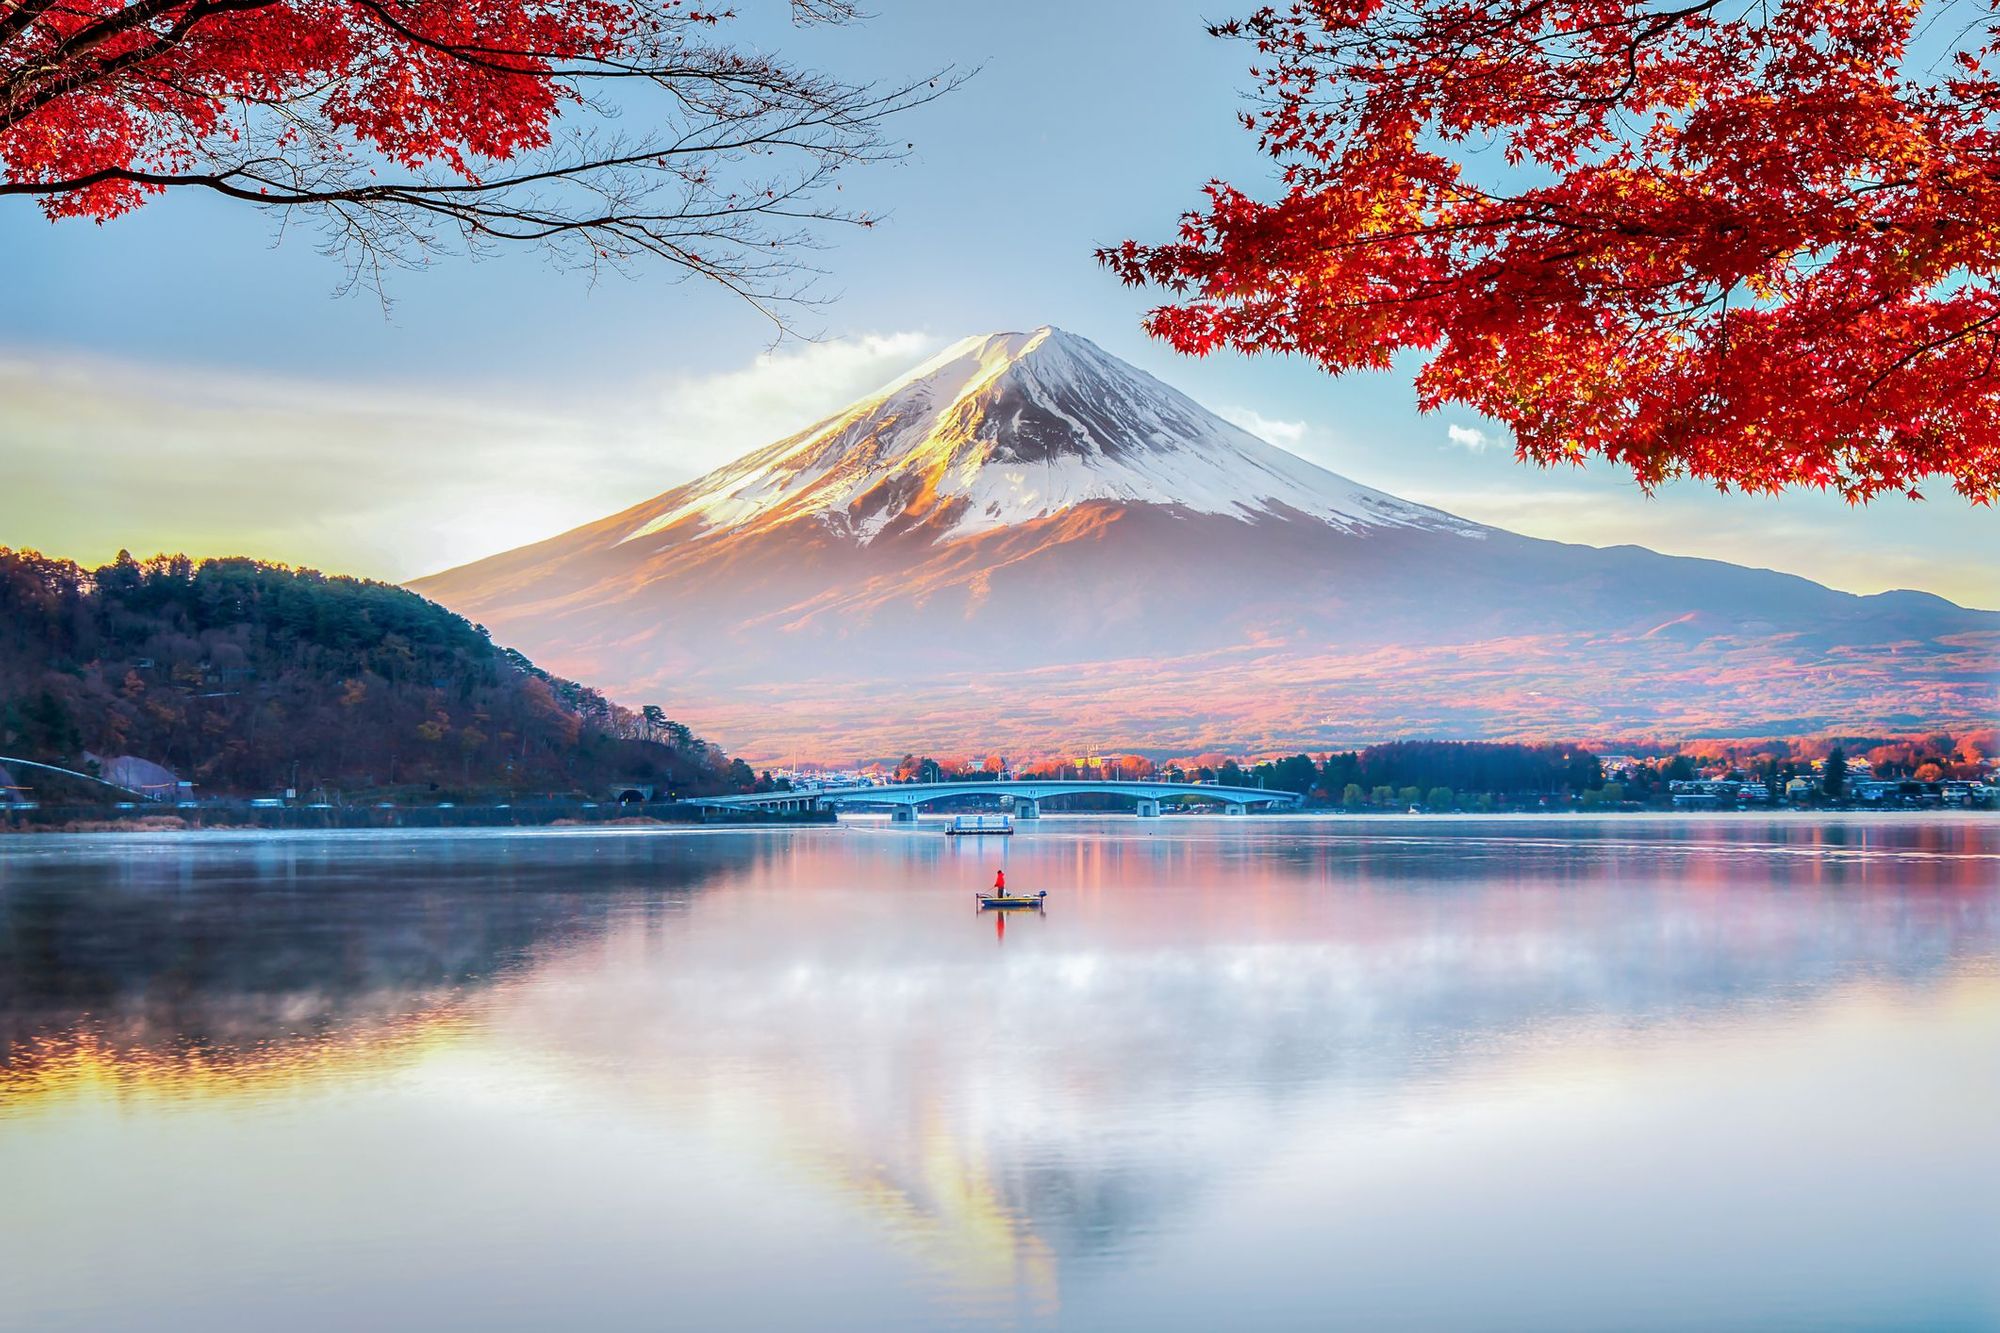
(1026, 544)
(1007, 428)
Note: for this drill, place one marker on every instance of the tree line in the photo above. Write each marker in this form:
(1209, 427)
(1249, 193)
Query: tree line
(1394, 774)
(248, 677)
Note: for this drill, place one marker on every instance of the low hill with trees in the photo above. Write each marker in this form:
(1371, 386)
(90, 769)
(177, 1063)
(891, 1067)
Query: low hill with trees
(248, 677)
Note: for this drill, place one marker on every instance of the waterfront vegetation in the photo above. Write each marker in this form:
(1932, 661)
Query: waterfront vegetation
(1489, 777)
(246, 677)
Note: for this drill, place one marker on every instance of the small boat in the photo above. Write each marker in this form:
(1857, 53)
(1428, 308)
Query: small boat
(1011, 902)
(979, 826)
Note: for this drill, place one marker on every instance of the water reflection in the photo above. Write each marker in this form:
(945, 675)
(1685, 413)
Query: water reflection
(1031, 1125)
(248, 957)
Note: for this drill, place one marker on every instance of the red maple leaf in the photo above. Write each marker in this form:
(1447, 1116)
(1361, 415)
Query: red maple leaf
(1751, 244)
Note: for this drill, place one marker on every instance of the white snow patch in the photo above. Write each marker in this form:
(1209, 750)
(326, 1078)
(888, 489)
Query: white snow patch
(973, 432)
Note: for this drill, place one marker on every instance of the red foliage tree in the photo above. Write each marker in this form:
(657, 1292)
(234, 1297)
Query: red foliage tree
(1751, 243)
(406, 124)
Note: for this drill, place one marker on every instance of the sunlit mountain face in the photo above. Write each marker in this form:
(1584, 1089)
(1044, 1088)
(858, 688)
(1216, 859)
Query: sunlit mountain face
(1026, 544)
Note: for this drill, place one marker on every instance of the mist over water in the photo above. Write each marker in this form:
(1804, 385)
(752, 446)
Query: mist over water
(1243, 1073)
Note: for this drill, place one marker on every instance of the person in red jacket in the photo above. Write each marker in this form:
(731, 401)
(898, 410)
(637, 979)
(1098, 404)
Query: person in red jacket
(999, 881)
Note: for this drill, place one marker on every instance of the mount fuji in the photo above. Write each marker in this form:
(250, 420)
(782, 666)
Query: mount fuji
(1027, 545)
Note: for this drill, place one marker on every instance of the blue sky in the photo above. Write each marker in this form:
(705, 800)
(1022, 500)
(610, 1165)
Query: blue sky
(183, 379)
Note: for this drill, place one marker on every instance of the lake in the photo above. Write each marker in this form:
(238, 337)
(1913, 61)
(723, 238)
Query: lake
(1255, 1073)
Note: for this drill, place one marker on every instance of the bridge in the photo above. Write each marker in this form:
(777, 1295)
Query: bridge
(8, 761)
(904, 798)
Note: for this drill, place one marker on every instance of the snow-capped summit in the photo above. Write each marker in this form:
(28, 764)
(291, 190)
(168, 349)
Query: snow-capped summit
(1006, 428)
(1025, 545)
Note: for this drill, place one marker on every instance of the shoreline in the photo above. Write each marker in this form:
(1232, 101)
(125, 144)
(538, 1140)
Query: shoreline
(238, 819)
(489, 820)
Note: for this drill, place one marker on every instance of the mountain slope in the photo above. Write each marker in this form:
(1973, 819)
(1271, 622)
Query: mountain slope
(1009, 428)
(247, 677)
(1025, 543)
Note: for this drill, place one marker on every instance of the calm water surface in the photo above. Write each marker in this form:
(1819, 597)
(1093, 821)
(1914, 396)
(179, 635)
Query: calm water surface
(1243, 1074)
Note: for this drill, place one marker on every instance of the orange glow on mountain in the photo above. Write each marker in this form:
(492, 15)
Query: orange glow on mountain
(1027, 546)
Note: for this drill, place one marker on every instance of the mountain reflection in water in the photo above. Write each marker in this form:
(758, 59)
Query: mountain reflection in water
(807, 1041)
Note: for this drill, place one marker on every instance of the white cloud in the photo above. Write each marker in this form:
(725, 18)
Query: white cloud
(1470, 438)
(1286, 434)
(704, 421)
(369, 479)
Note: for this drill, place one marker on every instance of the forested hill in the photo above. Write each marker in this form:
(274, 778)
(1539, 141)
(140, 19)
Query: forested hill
(249, 677)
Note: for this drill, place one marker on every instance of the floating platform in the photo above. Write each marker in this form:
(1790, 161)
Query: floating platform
(979, 826)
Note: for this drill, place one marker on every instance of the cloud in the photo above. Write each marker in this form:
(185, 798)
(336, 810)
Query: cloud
(1470, 438)
(373, 479)
(1286, 434)
(704, 421)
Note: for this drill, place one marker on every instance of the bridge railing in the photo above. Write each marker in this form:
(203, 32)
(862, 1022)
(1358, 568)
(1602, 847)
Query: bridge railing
(1035, 790)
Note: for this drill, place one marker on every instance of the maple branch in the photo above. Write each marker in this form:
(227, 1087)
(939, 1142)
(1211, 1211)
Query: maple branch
(490, 127)
(1925, 348)
(18, 107)
(1753, 246)
(20, 14)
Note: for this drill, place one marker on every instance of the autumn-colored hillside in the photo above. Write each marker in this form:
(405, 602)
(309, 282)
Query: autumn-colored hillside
(249, 677)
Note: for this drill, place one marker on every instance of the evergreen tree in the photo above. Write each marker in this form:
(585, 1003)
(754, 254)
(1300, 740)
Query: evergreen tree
(235, 674)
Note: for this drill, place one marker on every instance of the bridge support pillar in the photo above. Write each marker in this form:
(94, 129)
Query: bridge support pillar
(903, 814)
(1027, 809)
(1234, 808)
(1149, 809)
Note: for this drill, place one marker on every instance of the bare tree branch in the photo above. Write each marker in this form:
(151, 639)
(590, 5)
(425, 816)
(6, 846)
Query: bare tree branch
(406, 131)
